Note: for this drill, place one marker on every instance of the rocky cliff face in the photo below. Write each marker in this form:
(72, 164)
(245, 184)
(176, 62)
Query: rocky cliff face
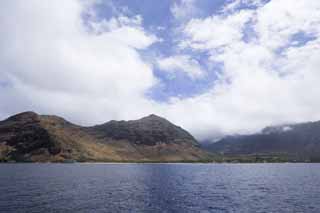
(32, 137)
(150, 130)
(23, 134)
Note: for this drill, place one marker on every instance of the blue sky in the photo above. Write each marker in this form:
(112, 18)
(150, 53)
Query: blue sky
(214, 67)
(159, 20)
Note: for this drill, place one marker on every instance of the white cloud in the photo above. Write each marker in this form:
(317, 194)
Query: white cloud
(182, 63)
(55, 65)
(101, 26)
(216, 31)
(258, 86)
(277, 21)
(233, 5)
(184, 9)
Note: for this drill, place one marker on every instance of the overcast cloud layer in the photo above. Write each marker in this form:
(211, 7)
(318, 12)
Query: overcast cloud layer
(68, 60)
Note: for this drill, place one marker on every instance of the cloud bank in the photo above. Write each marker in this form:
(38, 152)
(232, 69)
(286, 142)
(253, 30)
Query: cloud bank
(53, 62)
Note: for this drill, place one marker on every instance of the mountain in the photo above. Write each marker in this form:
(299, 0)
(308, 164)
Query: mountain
(149, 130)
(296, 141)
(42, 138)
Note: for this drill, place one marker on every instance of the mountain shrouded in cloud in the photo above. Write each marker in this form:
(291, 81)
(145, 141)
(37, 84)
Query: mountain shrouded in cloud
(223, 67)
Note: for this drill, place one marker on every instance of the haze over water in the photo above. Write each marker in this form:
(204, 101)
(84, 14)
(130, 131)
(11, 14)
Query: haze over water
(159, 188)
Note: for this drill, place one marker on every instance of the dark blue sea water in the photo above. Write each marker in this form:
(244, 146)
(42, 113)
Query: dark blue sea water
(160, 188)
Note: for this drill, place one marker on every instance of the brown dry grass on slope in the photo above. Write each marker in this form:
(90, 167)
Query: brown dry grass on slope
(62, 141)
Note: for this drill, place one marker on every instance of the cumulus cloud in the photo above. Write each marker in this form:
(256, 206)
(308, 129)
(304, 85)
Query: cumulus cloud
(54, 63)
(216, 31)
(182, 63)
(266, 79)
(275, 31)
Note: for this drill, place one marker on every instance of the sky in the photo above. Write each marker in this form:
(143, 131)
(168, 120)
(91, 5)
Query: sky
(214, 67)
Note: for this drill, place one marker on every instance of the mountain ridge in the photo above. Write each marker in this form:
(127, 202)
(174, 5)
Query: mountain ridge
(29, 136)
(148, 130)
(296, 141)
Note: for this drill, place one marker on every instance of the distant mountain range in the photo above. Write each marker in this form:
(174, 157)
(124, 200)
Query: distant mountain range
(29, 137)
(296, 141)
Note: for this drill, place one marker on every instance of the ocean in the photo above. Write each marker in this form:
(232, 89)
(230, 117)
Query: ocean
(94, 187)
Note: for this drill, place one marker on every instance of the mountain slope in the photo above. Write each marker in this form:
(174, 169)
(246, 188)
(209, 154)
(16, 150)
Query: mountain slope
(32, 137)
(149, 130)
(298, 141)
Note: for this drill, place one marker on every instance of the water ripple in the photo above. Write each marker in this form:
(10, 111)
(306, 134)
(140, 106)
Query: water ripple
(241, 188)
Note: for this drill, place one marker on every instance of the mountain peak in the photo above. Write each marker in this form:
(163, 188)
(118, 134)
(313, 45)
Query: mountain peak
(152, 117)
(149, 130)
(28, 115)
